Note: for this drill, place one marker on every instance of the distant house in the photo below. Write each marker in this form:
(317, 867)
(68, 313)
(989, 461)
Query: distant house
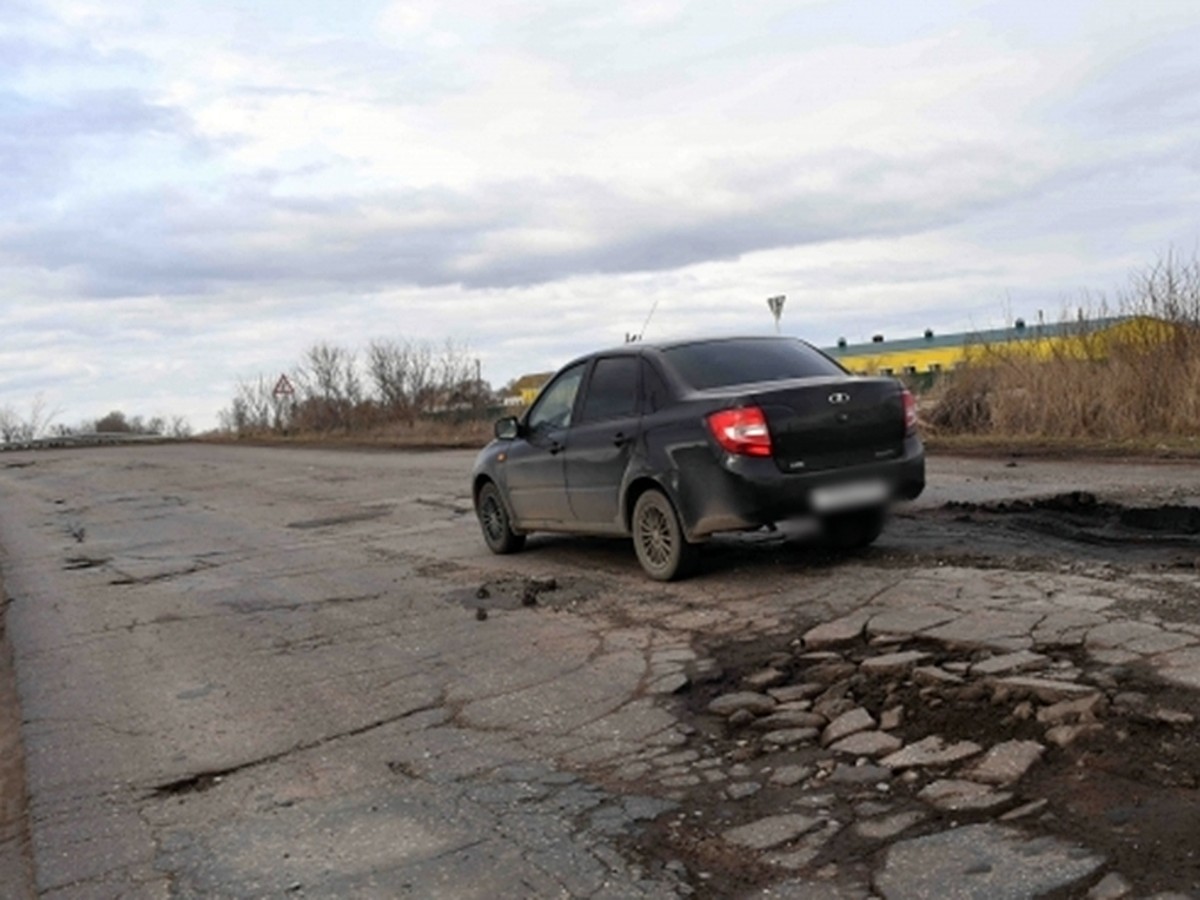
(925, 357)
(524, 390)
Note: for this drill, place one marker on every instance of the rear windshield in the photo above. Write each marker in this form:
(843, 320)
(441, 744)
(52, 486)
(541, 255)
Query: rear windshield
(715, 364)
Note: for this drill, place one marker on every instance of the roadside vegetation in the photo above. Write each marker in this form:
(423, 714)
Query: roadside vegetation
(21, 427)
(1130, 390)
(38, 421)
(393, 393)
(1134, 390)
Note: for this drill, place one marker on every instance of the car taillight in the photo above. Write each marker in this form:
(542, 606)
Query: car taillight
(742, 431)
(910, 413)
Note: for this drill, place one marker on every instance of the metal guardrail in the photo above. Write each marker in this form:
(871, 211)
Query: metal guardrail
(85, 440)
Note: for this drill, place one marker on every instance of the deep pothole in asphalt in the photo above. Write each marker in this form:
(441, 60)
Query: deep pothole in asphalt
(511, 592)
(811, 763)
(1077, 525)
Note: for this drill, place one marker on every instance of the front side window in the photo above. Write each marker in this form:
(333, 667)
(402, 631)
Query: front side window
(613, 389)
(553, 408)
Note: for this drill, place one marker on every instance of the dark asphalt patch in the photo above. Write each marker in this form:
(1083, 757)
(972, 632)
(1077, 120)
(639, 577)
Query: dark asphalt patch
(75, 563)
(366, 515)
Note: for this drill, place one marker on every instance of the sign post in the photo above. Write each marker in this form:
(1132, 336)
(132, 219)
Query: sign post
(284, 394)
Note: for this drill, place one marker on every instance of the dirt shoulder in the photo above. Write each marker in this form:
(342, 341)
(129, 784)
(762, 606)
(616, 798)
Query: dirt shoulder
(16, 870)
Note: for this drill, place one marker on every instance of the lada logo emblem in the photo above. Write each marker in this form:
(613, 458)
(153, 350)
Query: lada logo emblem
(839, 398)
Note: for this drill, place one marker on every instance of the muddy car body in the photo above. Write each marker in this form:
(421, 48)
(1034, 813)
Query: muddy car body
(673, 442)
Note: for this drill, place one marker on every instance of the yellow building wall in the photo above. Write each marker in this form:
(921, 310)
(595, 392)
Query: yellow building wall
(923, 360)
(1138, 331)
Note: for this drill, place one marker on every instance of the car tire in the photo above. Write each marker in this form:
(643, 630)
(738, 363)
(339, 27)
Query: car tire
(854, 530)
(495, 522)
(658, 538)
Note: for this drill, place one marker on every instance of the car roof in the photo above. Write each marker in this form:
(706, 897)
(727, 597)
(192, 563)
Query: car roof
(635, 348)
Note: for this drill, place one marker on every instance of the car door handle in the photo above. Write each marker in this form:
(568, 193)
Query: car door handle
(555, 448)
(620, 439)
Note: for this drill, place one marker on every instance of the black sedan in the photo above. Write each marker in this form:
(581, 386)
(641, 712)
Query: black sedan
(673, 442)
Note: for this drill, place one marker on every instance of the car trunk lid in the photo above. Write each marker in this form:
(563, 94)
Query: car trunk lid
(822, 424)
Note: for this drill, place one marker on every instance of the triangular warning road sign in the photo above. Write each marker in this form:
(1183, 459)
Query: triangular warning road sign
(283, 387)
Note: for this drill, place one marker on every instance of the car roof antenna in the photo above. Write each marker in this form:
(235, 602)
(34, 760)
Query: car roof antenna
(653, 307)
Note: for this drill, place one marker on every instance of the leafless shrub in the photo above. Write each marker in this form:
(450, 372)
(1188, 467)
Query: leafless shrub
(389, 365)
(403, 376)
(255, 409)
(17, 428)
(330, 389)
(9, 424)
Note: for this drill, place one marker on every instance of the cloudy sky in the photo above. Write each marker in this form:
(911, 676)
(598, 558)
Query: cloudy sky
(195, 191)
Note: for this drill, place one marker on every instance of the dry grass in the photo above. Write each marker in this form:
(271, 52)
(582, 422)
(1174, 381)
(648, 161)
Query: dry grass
(1134, 391)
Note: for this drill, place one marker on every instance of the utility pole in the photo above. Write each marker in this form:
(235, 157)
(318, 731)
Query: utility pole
(776, 306)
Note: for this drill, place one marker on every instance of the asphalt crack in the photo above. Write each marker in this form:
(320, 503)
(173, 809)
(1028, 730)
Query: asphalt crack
(200, 782)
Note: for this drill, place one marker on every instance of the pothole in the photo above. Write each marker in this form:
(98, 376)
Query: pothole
(1069, 529)
(813, 761)
(515, 592)
(1081, 516)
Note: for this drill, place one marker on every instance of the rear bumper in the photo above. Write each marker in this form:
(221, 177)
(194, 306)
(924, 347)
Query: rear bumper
(732, 493)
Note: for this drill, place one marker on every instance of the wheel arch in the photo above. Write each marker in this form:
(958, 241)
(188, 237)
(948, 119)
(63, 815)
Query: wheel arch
(477, 485)
(634, 490)
(485, 478)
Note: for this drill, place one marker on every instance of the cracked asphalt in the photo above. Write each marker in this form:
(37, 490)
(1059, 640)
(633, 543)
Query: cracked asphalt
(254, 672)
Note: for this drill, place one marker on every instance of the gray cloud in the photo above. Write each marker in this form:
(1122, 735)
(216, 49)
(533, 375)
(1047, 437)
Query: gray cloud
(1148, 90)
(41, 144)
(171, 241)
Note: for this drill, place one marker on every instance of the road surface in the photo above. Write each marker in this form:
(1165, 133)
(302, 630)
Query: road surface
(265, 672)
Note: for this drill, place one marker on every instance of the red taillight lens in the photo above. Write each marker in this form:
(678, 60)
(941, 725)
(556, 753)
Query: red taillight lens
(910, 413)
(742, 431)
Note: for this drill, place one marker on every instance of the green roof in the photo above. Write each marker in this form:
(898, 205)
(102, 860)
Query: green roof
(965, 338)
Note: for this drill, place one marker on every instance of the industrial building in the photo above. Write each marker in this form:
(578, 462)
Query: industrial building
(926, 356)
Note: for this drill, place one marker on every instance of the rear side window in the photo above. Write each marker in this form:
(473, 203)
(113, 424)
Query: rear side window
(715, 364)
(613, 389)
(654, 390)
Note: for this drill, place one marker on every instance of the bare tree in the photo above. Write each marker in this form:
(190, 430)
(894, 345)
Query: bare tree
(252, 410)
(388, 366)
(9, 424)
(331, 387)
(41, 417)
(420, 380)
(17, 428)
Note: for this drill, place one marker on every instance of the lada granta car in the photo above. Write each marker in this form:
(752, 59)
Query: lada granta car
(670, 443)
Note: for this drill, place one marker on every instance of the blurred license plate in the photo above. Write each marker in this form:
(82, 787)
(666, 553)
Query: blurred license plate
(844, 496)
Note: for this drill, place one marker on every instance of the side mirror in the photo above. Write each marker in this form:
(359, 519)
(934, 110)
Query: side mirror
(507, 428)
